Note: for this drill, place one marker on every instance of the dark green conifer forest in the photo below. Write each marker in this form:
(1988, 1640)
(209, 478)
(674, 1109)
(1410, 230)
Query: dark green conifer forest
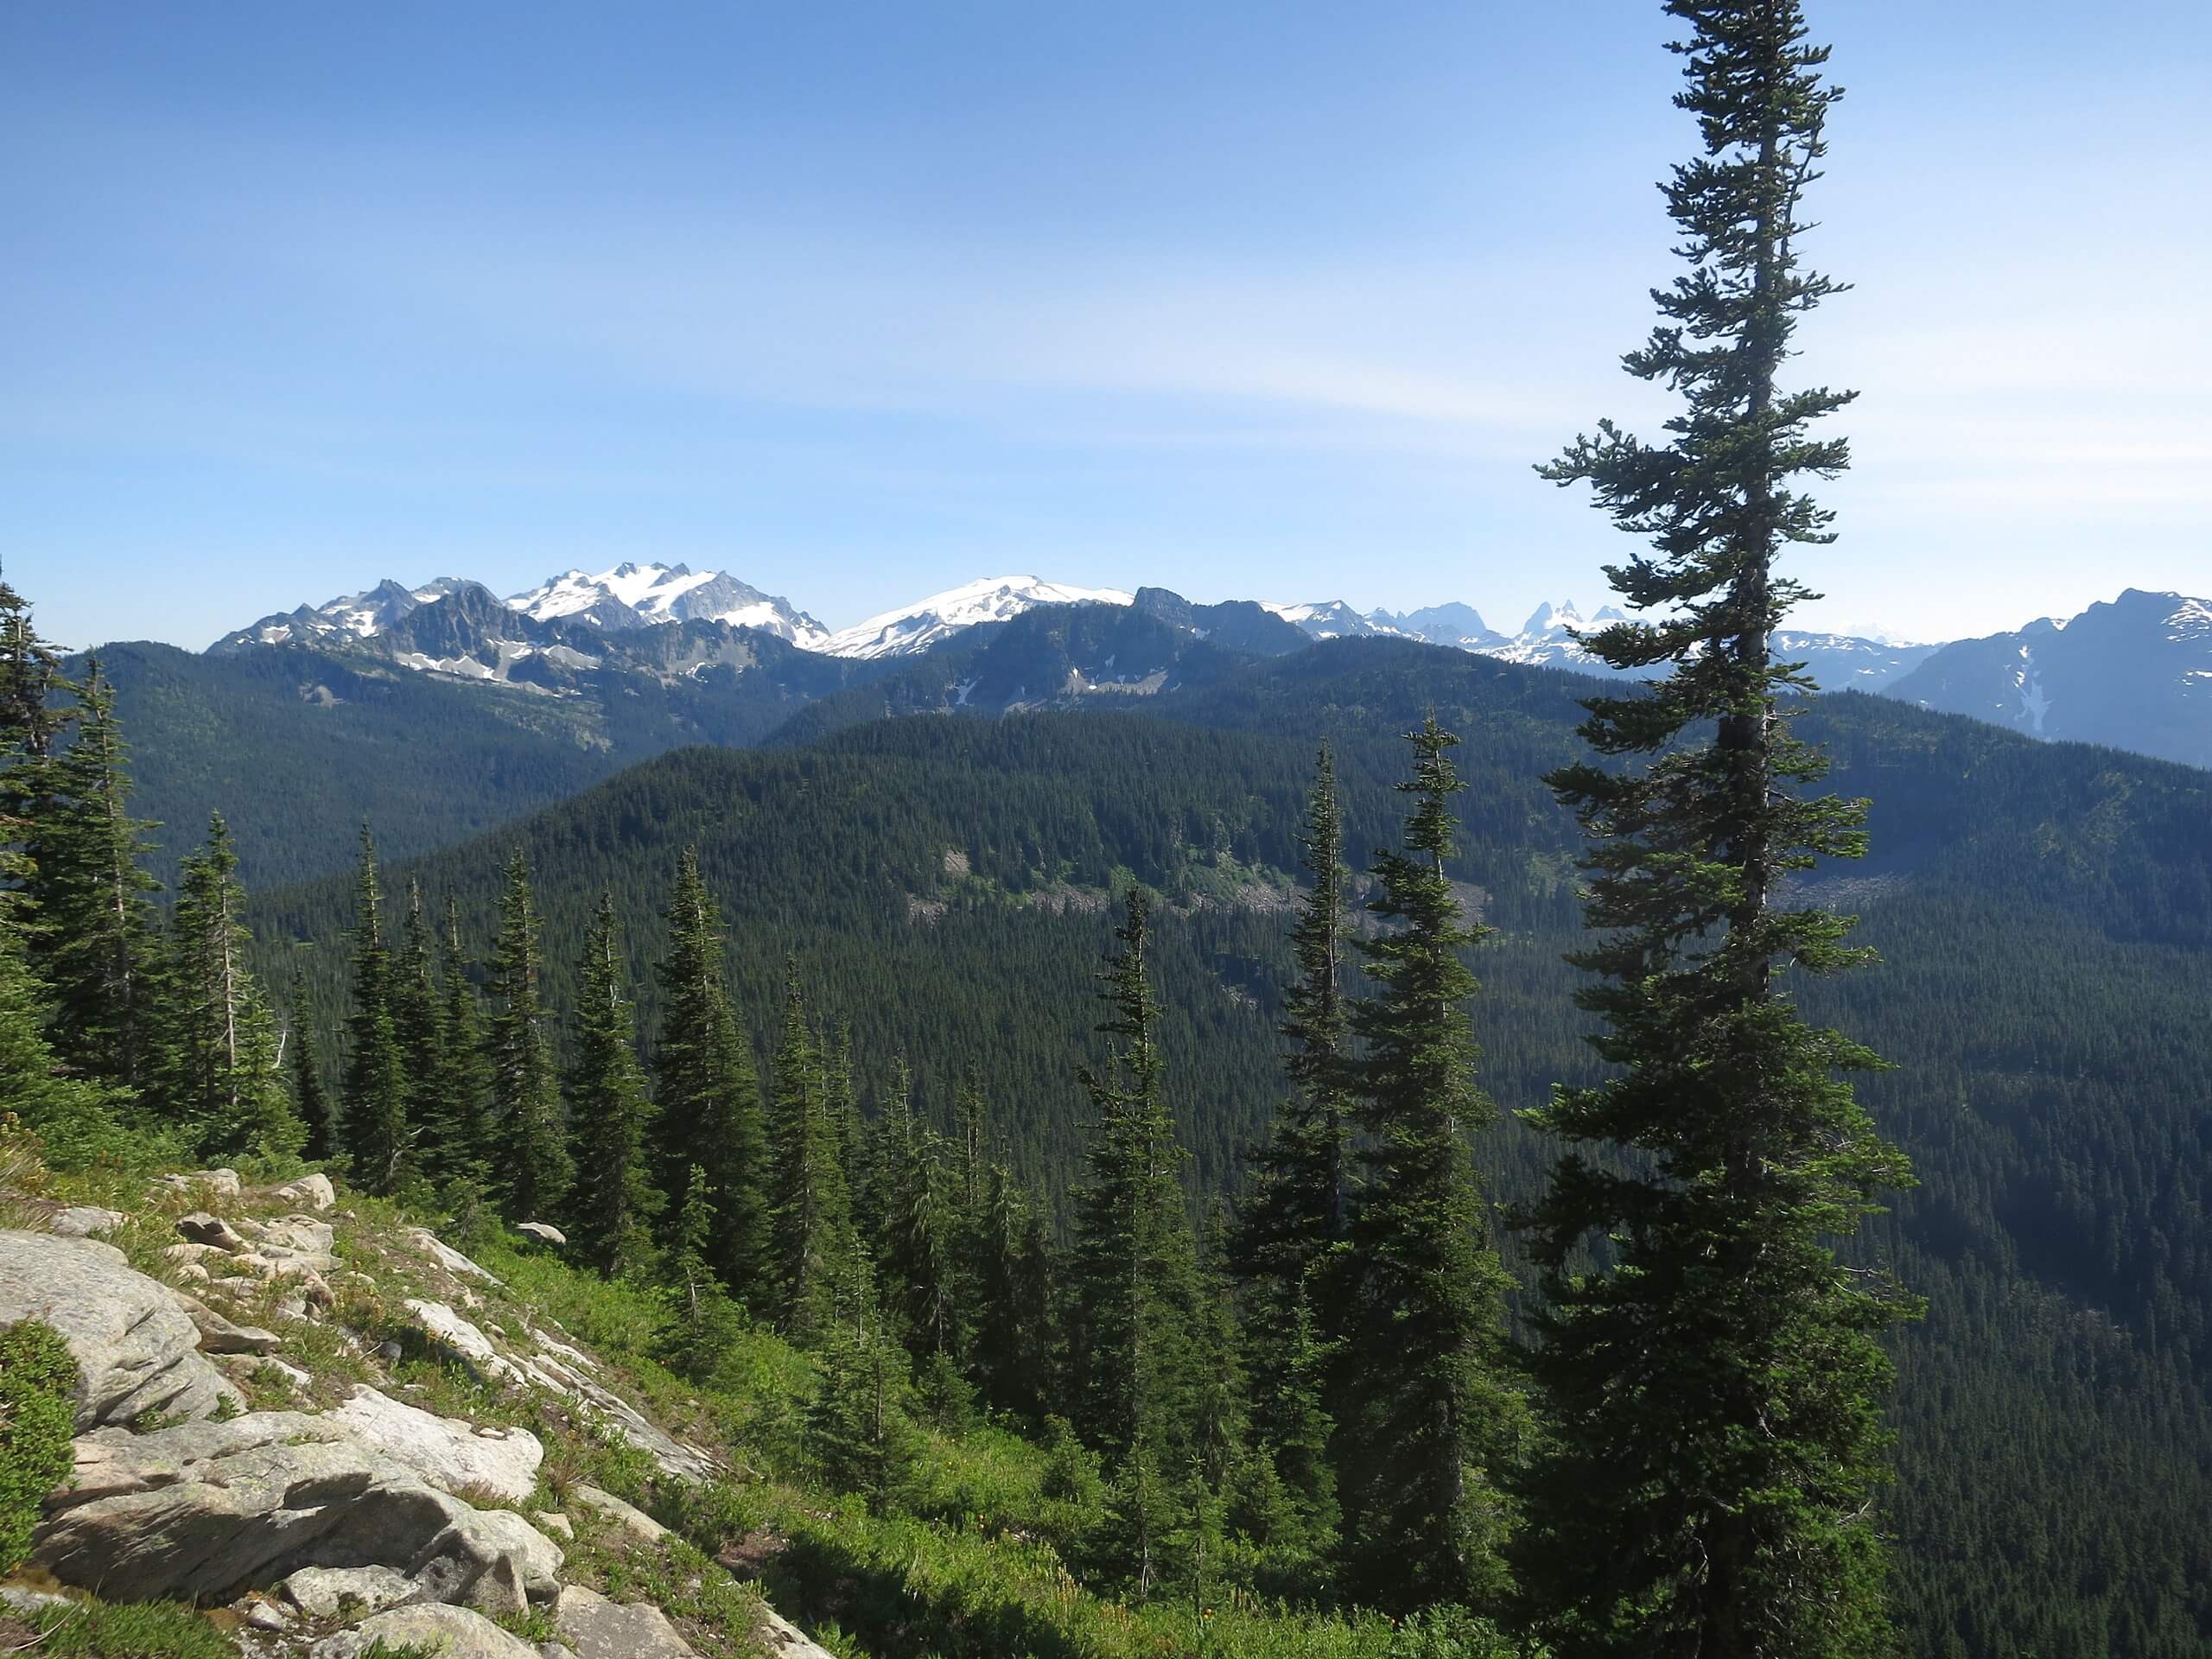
(1709, 1169)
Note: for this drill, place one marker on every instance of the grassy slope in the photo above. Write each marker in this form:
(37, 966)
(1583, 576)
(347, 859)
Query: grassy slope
(975, 1563)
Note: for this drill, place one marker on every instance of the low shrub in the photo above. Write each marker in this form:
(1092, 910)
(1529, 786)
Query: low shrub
(38, 1411)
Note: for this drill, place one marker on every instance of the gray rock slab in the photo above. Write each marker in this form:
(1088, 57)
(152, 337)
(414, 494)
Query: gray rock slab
(599, 1628)
(448, 1632)
(136, 1349)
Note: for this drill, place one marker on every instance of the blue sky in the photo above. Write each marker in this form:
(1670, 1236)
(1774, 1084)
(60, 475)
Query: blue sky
(859, 302)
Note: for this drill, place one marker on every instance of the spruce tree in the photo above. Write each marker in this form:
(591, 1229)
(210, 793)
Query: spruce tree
(613, 1200)
(815, 1268)
(1430, 1424)
(465, 1088)
(227, 1081)
(1717, 1377)
(74, 1120)
(310, 1100)
(1135, 1359)
(96, 944)
(708, 1096)
(1288, 1230)
(374, 1129)
(533, 1170)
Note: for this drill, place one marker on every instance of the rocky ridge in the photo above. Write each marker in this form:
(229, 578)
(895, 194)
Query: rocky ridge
(278, 1472)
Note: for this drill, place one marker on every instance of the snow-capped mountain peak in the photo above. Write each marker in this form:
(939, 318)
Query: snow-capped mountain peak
(989, 599)
(635, 595)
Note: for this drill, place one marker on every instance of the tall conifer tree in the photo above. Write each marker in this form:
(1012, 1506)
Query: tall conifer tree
(418, 1028)
(916, 1250)
(815, 1261)
(228, 1079)
(1717, 1381)
(1133, 1280)
(613, 1199)
(1295, 1218)
(1431, 1423)
(310, 1099)
(711, 1119)
(95, 944)
(374, 1129)
(465, 1088)
(532, 1169)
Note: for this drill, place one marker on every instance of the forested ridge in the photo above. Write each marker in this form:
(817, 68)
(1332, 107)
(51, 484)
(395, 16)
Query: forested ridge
(2039, 911)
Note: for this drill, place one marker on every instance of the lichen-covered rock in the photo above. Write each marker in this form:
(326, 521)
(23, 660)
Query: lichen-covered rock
(325, 1592)
(445, 1256)
(206, 1511)
(313, 1191)
(219, 1335)
(783, 1639)
(302, 1235)
(223, 1183)
(448, 1632)
(137, 1351)
(599, 1628)
(446, 1453)
(83, 1220)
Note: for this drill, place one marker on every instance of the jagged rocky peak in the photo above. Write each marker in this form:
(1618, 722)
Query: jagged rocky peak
(632, 595)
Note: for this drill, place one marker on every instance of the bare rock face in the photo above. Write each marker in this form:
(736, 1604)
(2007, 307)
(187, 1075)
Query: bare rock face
(206, 1511)
(543, 1232)
(599, 1628)
(449, 1632)
(137, 1351)
(446, 1453)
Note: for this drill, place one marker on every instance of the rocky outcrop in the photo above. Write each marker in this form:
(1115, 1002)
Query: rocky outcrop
(449, 1632)
(599, 1628)
(641, 1526)
(138, 1352)
(207, 1510)
(448, 1453)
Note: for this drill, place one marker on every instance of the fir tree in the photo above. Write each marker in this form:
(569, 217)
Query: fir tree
(533, 1170)
(710, 1118)
(1133, 1282)
(95, 944)
(1430, 1424)
(914, 1228)
(1717, 1381)
(815, 1263)
(465, 1086)
(1287, 1230)
(318, 1125)
(703, 1320)
(228, 1076)
(860, 1431)
(376, 1085)
(418, 1028)
(31, 677)
(613, 1199)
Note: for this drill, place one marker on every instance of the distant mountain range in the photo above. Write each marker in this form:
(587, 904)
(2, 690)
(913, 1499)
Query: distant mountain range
(2136, 673)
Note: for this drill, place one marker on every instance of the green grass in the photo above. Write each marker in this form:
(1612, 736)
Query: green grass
(152, 1630)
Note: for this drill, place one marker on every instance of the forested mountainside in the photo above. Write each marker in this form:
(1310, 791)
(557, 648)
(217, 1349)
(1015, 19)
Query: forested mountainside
(298, 744)
(2045, 913)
